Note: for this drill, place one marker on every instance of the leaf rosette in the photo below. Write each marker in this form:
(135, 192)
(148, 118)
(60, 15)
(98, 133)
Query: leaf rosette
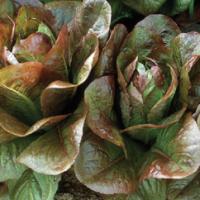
(141, 133)
(47, 53)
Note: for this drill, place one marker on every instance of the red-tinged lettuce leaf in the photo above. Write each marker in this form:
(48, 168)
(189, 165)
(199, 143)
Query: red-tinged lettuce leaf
(145, 94)
(149, 132)
(5, 34)
(63, 12)
(20, 88)
(55, 151)
(11, 127)
(92, 17)
(59, 94)
(34, 185)
(151, 37)
(56, 97)
(84, 58)
(102, 167)
(145, 7)
(43, 28)
(9, 152)
(29, 18)
(148, 189)
(158, 111)
(32, 48)
(175, 153)
(186, 52)
(106, 63)
(57, 59)
(186, 49)
(99, 97)
(6, 9)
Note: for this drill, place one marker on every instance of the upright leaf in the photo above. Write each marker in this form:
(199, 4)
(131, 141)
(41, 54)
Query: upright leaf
(99, 97)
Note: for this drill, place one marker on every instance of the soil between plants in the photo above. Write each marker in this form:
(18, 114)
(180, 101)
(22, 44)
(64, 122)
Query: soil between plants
(71, 189)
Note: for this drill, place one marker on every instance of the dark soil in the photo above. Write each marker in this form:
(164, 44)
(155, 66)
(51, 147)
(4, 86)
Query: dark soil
(71, 189)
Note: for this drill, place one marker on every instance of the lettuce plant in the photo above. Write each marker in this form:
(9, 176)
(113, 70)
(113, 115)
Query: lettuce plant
(47, 52)
(143, 140)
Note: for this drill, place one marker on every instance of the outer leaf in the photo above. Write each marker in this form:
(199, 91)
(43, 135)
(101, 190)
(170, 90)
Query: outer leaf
(32, 185)
(145, 7)
(10, 127)
(148, 189)
(186, 48)
(50, 154)
(190, 190)
(103, 168)
(176, 151)
(92, 17)
(150, 38)
(99, 97)
(10, 169)
(63, 12)
(186, 52)
(106, 63)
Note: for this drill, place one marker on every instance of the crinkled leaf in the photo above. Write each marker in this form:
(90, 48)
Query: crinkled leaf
(92, 17)
(106, 63)
(55, 151)
(102, 167)
(151, 37)
(63, 11)
(35, 186)
(99, 97)
(32, 48)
